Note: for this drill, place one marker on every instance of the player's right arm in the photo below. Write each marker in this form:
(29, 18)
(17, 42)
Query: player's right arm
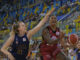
(6, 45)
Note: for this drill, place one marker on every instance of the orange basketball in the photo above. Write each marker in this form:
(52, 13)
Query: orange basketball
(73, 39)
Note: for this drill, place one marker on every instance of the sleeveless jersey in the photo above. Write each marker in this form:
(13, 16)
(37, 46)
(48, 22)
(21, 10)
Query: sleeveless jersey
(52, 49)
(20, 47)
(53, 34)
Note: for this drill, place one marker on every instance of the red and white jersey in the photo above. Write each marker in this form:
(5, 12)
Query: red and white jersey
(54, 34)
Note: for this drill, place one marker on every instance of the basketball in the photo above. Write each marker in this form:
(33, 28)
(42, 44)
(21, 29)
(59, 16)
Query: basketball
(73, 39)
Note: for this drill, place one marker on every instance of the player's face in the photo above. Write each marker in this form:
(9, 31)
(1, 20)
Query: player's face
(22, 27)
(53, 21)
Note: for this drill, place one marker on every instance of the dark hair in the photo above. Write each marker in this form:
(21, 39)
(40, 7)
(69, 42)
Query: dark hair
(53, 17)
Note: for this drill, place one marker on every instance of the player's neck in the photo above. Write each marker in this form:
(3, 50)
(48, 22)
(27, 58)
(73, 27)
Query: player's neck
(53, 28)
(21, 34)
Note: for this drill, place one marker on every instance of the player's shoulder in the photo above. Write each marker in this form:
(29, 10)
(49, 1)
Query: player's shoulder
(46, 28)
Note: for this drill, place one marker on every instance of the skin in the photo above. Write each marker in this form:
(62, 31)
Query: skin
(22, 31)
(46, 36)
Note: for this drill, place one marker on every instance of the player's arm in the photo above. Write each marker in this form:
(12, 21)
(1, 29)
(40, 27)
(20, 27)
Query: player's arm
(5, 46)
(41, 23)
(62, 40)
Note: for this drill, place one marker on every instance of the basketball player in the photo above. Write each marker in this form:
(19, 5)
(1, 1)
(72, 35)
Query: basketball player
(52, 36)
(19, 39)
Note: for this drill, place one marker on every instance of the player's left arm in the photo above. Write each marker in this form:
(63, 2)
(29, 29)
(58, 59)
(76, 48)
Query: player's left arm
(62, 40)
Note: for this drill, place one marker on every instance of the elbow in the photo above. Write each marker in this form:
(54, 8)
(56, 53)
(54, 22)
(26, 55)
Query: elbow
(2, 49)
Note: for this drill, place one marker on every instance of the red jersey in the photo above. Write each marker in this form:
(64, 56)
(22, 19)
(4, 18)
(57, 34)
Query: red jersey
(53, 34)
(53, 49)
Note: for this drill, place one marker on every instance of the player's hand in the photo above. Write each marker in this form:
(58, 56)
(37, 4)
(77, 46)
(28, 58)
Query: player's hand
(11, 57)
(78, 45)
(50, 12)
